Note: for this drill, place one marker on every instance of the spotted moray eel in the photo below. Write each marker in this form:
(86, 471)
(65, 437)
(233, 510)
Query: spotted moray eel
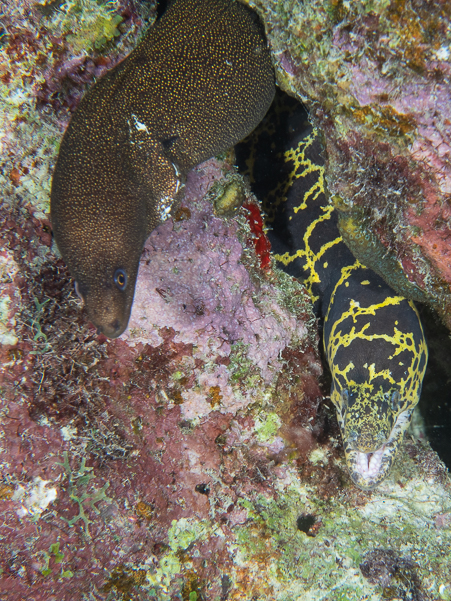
(373, 339)
(196, 84)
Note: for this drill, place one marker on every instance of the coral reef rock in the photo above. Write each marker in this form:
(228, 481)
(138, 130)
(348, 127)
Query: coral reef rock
(375, 76)
(193, 458)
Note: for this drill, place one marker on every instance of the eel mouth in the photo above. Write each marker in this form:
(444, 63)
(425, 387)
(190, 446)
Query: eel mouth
(367, 470)
(369, 465)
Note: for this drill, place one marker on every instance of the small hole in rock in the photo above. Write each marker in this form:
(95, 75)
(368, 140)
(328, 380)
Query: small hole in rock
(305, 522)
(203, 489)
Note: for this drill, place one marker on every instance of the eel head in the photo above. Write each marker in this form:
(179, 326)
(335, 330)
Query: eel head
(108, 301)
(102, 253)
(102, 210)
(372, 425)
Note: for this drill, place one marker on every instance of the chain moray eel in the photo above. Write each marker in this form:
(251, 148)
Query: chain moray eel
(373, 338)
(197, 83)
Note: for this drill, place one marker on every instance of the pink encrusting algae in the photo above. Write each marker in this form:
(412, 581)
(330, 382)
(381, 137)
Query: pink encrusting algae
(192, 276)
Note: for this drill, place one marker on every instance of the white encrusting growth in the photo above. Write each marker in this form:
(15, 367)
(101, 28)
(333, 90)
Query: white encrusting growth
(139, 125)
(36, 499)
(164, 207)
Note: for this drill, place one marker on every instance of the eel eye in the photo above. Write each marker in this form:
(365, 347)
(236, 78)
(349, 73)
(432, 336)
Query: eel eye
(344, 397)
(395, 400)
(120, 279)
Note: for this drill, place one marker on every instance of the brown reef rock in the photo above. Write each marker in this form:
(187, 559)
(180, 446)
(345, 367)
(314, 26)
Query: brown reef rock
(376, 78)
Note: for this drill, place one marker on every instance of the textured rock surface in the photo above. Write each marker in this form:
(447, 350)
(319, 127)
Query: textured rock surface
(193, 278)
(192, 459)
(376, 78)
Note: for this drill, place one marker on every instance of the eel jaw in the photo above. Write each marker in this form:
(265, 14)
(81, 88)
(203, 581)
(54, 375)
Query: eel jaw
(111, 317)
(367, 470)
(368, 465)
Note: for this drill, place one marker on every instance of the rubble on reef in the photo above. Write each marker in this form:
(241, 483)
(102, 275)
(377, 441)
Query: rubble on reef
(196, 457)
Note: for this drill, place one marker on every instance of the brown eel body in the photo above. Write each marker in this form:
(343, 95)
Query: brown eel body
(197, 83)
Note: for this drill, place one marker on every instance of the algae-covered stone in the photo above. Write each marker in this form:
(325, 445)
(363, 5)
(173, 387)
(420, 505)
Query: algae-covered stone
(375, 77)
(327, 562)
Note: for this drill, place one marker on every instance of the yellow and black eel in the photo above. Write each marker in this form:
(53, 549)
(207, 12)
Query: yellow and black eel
(373, 338)
(197, 83)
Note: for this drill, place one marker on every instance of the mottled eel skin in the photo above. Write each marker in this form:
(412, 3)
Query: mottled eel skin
(197, 83)
(373, 338)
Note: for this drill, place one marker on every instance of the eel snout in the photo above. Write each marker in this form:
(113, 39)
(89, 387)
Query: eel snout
(107, 291)
(369, 468)
(108, 310)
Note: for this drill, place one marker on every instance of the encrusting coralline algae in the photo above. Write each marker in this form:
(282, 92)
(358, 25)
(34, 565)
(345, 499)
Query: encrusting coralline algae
(181, 462)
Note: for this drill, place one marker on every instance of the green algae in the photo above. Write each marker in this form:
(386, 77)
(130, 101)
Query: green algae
(242, 369)
(81, 493)
(182, 534)
(185, 531)
(267, 429)
(318, 456)
(57, 557)
(94, 23)
(399, 516)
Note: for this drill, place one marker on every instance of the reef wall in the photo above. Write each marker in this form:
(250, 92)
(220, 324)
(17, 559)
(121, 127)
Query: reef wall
(375, 76)
(193, 459)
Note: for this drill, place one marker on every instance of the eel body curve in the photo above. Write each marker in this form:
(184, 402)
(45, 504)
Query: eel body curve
(198, 82)
(373, 338)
